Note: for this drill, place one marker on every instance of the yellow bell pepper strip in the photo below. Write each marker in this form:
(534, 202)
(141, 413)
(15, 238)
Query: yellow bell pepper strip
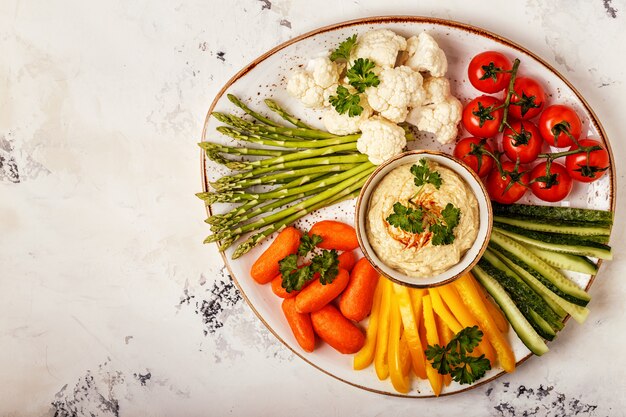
(471, 298)
(432, 338)
(400, 382)
(405, 354)
(492, 308)
(365, 356)
(443, 312)
(382, 337)
(445, 335)
(410, 320)
(465, 317)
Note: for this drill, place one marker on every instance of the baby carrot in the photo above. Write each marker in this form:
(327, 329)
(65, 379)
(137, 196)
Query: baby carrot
(300, 324)
(335, 235)
(336, 330)
(347, 260)
(316, 295)
(266, 267)
(356, 300)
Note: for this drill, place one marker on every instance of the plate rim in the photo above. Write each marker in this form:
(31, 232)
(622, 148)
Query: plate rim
(383, 19)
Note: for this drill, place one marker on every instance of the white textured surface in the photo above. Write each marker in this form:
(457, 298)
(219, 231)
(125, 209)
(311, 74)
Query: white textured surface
(109, 304)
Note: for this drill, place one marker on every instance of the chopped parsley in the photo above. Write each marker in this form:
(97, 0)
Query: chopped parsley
(408, 219)
(443, 232)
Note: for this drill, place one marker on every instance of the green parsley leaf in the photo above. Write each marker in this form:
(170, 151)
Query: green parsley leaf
(344, 49)
(308, 243)
(423, 174)
(327, 265)
(443, 234)
(344, 102)
(454, 359)
(473, 369)
(406, 218)
(360, 75)
(293, 277)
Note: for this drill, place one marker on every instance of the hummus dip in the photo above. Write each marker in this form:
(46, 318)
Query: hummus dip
(414, 254)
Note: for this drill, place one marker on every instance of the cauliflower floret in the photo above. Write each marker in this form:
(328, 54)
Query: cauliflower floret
(426, 56)
(312, 87)
(302, 86)
(441, 119)
(380, 139)
(437, 90)
(381, 46)
(343, 124)
(399, 89)
(324, 71)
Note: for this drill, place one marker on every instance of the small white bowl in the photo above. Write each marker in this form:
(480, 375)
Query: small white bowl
(473, 254)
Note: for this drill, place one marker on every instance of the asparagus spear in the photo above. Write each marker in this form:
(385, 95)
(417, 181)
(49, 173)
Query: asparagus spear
(254, 240)
(254, 138)
(243, 124)
(210, 146)
(233, 99)
(279, 176)
(275, 107)
(236, 196)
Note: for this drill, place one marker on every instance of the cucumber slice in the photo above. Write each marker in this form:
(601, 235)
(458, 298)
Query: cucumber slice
(579, 313)
(524, 296)
(558, 214)
(541, 225)
(598, 238)
(542, 327)
(565, 261)
(550, 277)
(522, 327)
(557, 242)
(522, 273)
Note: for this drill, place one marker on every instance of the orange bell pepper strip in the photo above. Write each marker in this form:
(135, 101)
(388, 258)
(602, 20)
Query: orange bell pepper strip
(464, 316)
(432, 337)
(471, 298)
(400, 382)
(365, 356)
(410, 320)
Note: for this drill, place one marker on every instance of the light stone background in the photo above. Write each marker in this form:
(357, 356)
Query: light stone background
(109, 303)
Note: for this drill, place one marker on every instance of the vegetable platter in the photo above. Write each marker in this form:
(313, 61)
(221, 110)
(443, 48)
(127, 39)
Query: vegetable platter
(266, 78)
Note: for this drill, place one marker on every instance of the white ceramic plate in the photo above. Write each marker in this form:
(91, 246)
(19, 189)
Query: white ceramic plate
(266, 76)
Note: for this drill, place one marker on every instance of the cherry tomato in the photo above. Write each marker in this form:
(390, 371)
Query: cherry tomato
(470, 150)
(587, 167)
(482, 116)
(555, 120)
(522, 140)
(497, 184)
(553, 187)
(528, 99)
(486, 72)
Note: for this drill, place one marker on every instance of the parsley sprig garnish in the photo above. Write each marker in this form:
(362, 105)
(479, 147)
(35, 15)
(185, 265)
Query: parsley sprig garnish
(423, 175)
(443, 232)
(361, 76)
(454, 358)
(408, 219)
(344, 49)
(344, 102)
(325, 263)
